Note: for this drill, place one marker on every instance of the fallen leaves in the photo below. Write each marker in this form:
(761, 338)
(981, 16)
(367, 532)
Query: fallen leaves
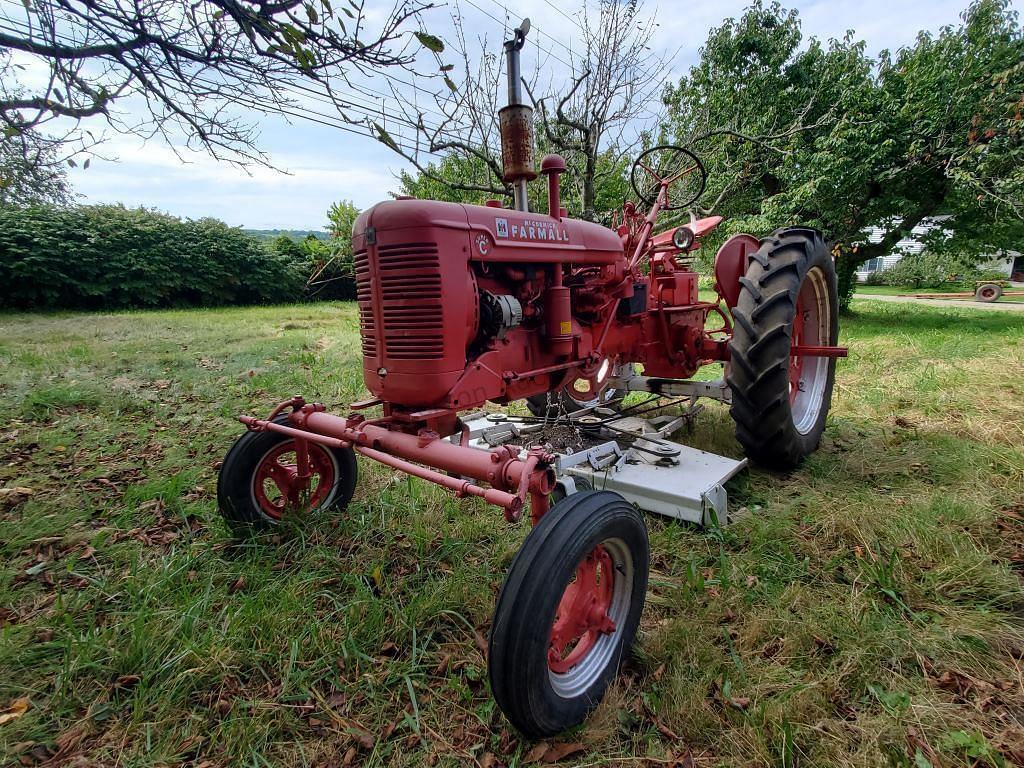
(126, 682)
(365, 739)
(553, 753)
(165, 530)
(14, 710)
(13, 497)
(726, 699)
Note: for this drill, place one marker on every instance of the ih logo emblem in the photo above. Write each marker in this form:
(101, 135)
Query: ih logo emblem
(501, 227)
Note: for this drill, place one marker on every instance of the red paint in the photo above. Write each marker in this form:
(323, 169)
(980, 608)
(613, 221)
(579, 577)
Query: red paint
(731, 265)
(278, 484)
(582, 614)
(553, 166)
(796, 362)
(432, 346)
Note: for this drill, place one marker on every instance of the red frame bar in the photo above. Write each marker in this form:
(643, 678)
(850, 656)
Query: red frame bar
(807, 350)
(512, 479)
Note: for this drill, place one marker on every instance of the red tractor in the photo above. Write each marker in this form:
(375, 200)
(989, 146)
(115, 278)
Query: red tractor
(463, 305)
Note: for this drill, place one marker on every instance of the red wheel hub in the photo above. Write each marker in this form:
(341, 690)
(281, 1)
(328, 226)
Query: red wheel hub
(278, 485)
(582, 615)
(796, 362)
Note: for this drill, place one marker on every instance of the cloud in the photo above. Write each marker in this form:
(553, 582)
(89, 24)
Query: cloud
(328, 164)
(320, 169)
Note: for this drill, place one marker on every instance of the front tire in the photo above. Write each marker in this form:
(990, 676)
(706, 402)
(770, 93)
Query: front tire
(787, 298)
(568, 612)
(253, 484)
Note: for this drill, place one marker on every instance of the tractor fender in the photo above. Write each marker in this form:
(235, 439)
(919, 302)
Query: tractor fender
(731, 265)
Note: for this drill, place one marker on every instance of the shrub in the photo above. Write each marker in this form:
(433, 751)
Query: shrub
(930, 270)
(918, 270)
(875, 278)
(328, 266)
(109, 256)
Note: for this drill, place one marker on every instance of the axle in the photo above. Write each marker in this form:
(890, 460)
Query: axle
(511, 477)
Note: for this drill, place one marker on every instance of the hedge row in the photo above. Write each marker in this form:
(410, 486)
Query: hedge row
(109, 256)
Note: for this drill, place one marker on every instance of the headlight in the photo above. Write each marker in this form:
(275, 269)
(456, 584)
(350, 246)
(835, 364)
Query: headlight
(682, 238)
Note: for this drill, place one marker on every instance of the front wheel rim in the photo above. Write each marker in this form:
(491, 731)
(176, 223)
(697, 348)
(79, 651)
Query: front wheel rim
(808, 376)
(277, 487)
(587, 630)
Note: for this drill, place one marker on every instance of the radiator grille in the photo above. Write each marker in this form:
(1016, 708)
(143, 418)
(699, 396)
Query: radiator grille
(411, 309)
(410, 290)
(364, 299)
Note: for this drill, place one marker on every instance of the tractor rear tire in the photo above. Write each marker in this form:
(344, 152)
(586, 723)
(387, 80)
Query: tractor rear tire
(245, 491)
(780, 402)
(568, 612)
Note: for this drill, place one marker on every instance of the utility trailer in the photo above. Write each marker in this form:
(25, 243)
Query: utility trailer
(987, 291)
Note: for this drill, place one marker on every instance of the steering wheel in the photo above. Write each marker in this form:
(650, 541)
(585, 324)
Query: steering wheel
(679, 167)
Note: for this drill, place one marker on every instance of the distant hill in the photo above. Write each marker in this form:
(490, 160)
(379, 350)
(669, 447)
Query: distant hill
(295, 234)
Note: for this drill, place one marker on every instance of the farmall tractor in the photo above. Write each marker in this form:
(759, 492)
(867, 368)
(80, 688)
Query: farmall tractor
(461, 306)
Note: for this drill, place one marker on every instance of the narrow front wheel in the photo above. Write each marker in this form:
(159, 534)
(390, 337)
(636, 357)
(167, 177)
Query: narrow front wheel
(260, 482)
(568, 612)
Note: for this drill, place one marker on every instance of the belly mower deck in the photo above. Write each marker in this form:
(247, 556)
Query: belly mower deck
(626, 454)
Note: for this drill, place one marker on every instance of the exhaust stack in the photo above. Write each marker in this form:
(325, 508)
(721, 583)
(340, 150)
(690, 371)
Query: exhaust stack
(516, 120)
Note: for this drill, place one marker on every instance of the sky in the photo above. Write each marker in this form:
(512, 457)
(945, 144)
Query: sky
(316, 165)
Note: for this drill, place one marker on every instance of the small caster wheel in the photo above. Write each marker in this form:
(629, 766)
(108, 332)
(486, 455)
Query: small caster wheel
(258, 481)
(568, 612)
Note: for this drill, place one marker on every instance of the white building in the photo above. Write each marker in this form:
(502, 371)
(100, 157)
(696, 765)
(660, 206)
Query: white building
(1009, 262)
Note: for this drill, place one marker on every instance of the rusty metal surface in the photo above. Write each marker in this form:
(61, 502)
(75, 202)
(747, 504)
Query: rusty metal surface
(517, 142)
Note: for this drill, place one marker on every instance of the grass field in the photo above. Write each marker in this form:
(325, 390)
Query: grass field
(867, 611)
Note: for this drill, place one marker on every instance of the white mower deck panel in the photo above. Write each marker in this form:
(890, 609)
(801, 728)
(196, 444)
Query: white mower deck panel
(691, 490)
(659, 476)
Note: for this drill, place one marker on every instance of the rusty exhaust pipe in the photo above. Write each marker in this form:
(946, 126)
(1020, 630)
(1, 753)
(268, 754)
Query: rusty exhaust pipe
(516, 120)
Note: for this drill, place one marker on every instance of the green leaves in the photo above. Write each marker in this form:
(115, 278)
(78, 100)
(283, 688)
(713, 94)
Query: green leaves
(430, 42)
(893, 702)
(384, 137)
(108, 256)
(831, 138)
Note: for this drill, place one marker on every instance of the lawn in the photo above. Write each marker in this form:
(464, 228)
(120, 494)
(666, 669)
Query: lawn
(866, 611)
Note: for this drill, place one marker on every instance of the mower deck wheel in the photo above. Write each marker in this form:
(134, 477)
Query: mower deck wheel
(568, 612)
(258, 482)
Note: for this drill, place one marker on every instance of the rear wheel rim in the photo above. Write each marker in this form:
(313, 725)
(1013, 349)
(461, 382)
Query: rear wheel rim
(276, 486)
(587, 630)
(808, 376)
